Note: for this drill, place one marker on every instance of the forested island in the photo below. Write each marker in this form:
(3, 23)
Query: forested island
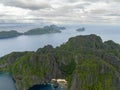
(9, 34)
(35, 31)
(85, 62)
(44, 30)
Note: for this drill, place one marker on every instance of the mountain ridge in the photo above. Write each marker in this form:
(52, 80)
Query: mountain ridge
(86, 62)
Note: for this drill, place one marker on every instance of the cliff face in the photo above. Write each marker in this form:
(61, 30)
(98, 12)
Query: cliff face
(84, 61)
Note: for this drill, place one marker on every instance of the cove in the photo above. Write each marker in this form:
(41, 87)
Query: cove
(45, 87)
(6, 81)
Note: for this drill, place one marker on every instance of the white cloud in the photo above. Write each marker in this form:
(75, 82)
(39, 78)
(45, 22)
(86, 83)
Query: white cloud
(60, 11)
(31, 4)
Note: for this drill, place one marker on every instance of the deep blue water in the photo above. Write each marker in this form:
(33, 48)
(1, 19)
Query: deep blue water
(32, 43)
(44, 87)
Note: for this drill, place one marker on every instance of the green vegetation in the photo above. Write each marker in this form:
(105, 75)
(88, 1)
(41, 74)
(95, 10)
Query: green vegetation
(44, 30)
(85, 62)
(36, 31)
(9, 34)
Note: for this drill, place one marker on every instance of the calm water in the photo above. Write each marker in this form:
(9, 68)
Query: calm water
(44, 87)
(30, 43)
(6, 82)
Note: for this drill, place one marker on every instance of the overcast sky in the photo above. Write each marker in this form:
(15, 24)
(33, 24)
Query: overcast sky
(60, 11)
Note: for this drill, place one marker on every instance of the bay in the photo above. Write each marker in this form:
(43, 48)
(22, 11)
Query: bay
(6, 82)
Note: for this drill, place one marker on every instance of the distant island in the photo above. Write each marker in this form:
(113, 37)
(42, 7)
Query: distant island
(9, 34)
(35, 31)
(80, 29)
(44, 30)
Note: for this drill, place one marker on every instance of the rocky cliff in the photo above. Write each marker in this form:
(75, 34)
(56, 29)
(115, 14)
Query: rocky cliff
(85, 62)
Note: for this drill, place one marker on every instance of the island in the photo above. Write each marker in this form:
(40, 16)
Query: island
(57, 27)
(80, 29)
(9, 34)
(36, 31)
(84, 62)
(44, 30)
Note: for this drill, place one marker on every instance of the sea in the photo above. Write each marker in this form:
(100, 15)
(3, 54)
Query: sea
(32, 43)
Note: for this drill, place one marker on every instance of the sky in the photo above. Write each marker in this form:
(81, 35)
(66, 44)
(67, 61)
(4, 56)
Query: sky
(60, 11)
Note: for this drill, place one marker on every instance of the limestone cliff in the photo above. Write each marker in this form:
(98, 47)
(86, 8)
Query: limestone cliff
(85, 62)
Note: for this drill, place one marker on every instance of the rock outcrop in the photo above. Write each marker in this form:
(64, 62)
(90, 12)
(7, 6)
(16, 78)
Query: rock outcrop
(85, 62)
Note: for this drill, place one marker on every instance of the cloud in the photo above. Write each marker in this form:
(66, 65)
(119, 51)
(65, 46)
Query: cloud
(31, 4)
(60, 11)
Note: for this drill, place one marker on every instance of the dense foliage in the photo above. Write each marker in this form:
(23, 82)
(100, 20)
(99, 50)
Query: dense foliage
(84, 61)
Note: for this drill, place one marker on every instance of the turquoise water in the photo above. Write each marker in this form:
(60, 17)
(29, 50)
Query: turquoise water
(6, 82)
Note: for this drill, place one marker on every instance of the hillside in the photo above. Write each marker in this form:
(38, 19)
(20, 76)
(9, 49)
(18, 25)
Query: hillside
(85, 62)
